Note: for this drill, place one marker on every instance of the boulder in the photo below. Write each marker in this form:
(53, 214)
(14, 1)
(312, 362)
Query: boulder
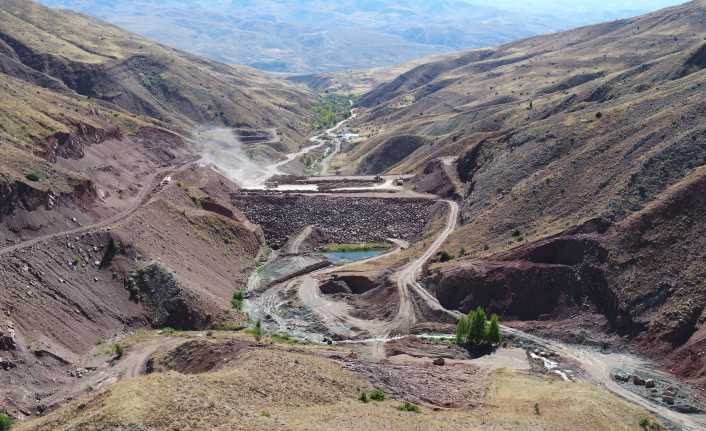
(8, 339)
(649, 383)
(621, 377)
(439, 361)
(7, 364)
(638, 381)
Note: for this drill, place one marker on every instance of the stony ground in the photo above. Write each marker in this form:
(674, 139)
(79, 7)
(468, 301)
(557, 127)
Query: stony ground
(342, 219)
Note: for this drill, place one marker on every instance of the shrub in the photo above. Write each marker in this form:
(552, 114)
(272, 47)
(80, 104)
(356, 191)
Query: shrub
(5, 422)
(32, 176)
(409, 407)
(536, 409)
(237, 301)
(648, 425)
(516, 233)
(257, 332)
(363, 398)
(377, 395)
(265, 414)
(118, 351)
(445, 256)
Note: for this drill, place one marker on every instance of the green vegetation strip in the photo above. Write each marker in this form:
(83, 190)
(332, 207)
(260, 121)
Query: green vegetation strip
(342, 248)
(332, 109)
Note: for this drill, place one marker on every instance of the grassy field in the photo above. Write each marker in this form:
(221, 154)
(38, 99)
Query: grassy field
(271, 388)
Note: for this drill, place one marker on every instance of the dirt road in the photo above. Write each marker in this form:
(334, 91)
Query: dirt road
(598, 367)
(143, 196)
(337, 317)
(295, 245)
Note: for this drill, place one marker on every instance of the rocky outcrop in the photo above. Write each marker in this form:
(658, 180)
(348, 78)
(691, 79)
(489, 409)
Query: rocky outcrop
(170, 304)
(8, 339)
(21, 196)
(71, 145)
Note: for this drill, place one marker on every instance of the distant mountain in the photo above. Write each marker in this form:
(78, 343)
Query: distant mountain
(312, 36)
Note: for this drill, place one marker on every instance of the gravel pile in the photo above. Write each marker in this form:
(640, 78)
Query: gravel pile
(342, 219)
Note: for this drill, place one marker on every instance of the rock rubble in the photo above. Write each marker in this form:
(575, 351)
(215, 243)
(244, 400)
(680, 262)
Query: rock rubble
(342, 219)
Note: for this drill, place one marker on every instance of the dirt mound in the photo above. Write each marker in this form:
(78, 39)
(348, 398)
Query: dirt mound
(200, 356)
(351, 283)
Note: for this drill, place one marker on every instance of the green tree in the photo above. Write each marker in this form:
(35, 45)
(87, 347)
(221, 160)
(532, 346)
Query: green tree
(478, 322)
(494, 336)
(462, 330)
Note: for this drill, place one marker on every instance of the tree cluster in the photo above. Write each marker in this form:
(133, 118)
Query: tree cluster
(476, 330)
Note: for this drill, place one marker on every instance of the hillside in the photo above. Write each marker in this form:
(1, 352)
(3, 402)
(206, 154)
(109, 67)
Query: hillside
(566, 146)
(101, 198)
(316, 36)
(73, 53)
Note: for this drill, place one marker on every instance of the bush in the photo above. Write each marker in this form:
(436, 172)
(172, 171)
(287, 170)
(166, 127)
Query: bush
(118, 351)
(257, 331)
(648, 425)
(377, 395)
(445, 256)
(363, 398)
(409, 407)
(237, 301)
(5, 422)
(32, 176)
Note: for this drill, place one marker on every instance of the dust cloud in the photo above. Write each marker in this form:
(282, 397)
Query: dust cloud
(221, 148)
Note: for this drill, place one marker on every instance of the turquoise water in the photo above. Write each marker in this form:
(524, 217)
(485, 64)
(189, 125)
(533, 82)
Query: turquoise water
(352, 256)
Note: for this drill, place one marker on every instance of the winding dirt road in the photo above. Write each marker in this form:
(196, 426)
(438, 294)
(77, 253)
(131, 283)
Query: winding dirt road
(155, 182)
(337, 315)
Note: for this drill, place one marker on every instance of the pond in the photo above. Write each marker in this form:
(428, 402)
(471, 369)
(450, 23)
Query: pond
(340, 257)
